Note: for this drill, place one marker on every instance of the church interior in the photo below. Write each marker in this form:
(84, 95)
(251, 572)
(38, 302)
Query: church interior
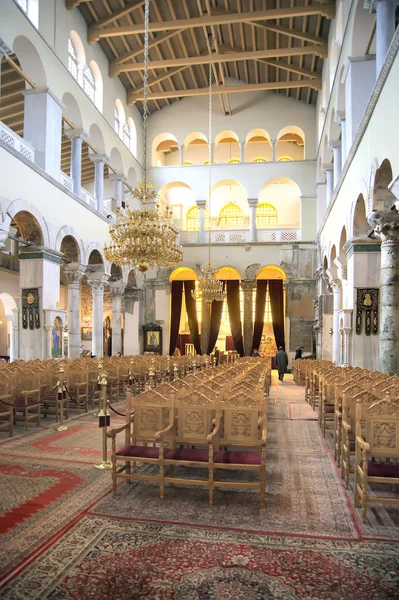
(199, 299)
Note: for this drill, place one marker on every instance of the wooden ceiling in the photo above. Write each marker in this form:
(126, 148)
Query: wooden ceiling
(275, 45)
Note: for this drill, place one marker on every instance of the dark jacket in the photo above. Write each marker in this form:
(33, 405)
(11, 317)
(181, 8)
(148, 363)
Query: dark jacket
(298, 353)
(281, 361)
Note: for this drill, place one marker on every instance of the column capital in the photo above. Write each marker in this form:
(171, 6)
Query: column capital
(117, 288)
(96, 158)
(97, 281)
(332, 144)
(201, 203)
(273, 141)
(248, 285)
(117, 177)
(342, 271)
(253, 201)
(332, 274)
(74, 272)
(76, 133)
(371, 5)
(340, 117)
(386, 225)
(327, 167)
(36, 91)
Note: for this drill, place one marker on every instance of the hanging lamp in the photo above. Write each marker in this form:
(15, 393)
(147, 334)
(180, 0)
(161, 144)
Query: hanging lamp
(209, 288)
(146, 237)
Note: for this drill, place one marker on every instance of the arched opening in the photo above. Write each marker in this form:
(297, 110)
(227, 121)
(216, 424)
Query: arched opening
(383, 198)
(267, 345)
(291, 143)
(30, 61)
(97, 83)
(257, 147)
(165, 151)
(360, 226)
(76, 57)
(28, 227)
(72, 113)
(180, 197)
(227, 148)
(133, 136)
(12, 103)
(119, 118)
(8, 314)
(196, 148)
(229, 193)
(70, 248)
(116, 160)
(285, 196)
(185, 343)
(95, 258)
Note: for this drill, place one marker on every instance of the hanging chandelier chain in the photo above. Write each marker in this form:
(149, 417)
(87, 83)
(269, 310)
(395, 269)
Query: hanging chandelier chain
(210, 147)
(145, 103)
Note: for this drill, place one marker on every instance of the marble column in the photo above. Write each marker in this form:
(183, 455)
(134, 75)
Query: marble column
(118, 179)
(386, 227)
(274, 144)
(253, 203)
(242, 149)
(337, 302)
(248, 328)
(346, 346)
(117, 289)
(97, 282)
(43, 128)
(181, 150)
(328, 169)
(73, 273)
(335, 146)
(341, 120)
(385, 27)
(99, 160)
(77, 137)
(201, 229)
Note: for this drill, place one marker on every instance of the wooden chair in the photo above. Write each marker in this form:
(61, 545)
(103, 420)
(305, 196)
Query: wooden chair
(77, 383)
(244, 446)
(27, 400)
(6, 404)
(381, 440)
(146, 416)
(340, 389)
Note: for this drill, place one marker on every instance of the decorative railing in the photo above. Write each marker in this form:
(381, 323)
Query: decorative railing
(9, 262)
(278, 235)
(88, 198)
(12, 139)
(242, 236)
(67, 181)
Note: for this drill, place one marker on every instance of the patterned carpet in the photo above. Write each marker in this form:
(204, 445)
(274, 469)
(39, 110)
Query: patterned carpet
(116, 560)
(65, 536)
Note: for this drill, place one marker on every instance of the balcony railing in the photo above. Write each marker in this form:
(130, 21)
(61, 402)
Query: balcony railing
(88, 198)
(11, 138)
(67, 181)
(11, 263)
(242, 236)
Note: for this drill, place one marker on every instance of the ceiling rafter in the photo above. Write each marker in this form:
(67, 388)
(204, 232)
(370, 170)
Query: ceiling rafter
(326, 9)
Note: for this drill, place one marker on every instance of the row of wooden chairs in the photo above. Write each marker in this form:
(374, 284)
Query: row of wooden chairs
(362, 409)
(215, 423)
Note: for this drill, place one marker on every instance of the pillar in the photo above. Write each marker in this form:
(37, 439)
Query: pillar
(253, 203)
(341, 120)
(181, 150)
(248, 328)
(242, 148)
(73, 273)
(99, 161)
(385, 27)
(274, 144)
(118, 179)
(43, 128)
(117, 289)
(77, 137)
(97, 281)
(337, 302)
(328, 169)
(335, 146)
(386, 227)
(201, 229)
(346, 346)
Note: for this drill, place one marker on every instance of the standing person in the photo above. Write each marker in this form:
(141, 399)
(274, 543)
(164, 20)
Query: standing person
(281, 363)
(298, 352)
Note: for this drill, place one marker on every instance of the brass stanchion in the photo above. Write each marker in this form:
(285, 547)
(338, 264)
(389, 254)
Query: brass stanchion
(61, 397)
(104, 422)
(175, 372)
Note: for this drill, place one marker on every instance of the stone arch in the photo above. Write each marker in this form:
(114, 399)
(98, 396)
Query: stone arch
(196, 149)
(271, 272)
(257, 145)
(193, 137)
(178, 193)
(227, 147)
(342, 241)
(71, 234)
(132, 176)
(333, 256)
(96, 138)
(116, 160)
(71, 110)
(382, 197)
(99, 255)
(162, 144)
(133, 136)
(79, 48)
(360, 226)
(98, 84)
(116, 272)
(30, 60)
(41, 230)
(226, 192)
(291, 142)
(70, 248)
(9, 304)
(183, 273)
(285, 195)
(227, 272)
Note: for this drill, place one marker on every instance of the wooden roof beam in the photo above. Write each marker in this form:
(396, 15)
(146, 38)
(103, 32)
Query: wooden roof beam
(291, 32)
(291, 68)
(327, 10)
(219, 57)
(70, 4)
(232, 89)
(119, 14)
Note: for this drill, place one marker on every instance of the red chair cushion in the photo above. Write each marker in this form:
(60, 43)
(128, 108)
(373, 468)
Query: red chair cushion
(329, 409)
(352, 446)
(238, 457)
(139, 451)
(188, 454)
(382, 470)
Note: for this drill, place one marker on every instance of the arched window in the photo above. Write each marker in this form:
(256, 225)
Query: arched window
(72, 60)
(284, 159)
(89, 85)
(31, 9)
(231, 214)
(126, 135)
(207, 162)
(117, 122)
(192, 219)
(259, 159)
(266, 214)
(234, 161)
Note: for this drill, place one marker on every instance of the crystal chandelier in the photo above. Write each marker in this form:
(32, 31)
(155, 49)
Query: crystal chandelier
(209, 288)
(147, 237)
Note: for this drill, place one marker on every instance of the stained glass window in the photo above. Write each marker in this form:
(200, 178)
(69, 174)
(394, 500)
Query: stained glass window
(89, 85)
(231, 214)
(266, 214)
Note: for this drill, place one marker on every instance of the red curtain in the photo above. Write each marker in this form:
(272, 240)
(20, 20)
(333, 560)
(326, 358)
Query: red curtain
(175, 313)
(230, 343)
(277, 306)
(233, 304)
(191, 307)
(215, 320)
(261, 290)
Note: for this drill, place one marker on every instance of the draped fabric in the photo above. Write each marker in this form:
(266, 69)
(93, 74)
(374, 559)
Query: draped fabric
(215, 320)
(191, 307)
(175, 313)
(277, 306)
(233, 305)
(229, 343)
(261, 290)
